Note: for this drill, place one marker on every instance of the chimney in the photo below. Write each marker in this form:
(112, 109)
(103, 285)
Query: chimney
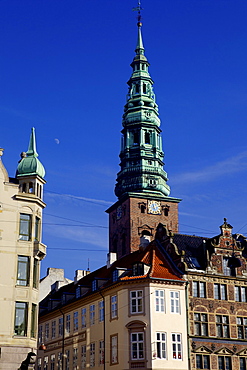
(80, 274)
(111, 258)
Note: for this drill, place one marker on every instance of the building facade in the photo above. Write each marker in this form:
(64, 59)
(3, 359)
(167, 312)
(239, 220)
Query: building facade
(21, 250)
(129, 314)
(216, 272)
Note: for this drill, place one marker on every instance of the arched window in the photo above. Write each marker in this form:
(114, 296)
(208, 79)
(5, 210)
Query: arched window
(30, 188)
(147, 137)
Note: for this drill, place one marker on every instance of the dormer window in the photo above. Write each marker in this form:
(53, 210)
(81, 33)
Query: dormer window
(94, 285)
(139, 269)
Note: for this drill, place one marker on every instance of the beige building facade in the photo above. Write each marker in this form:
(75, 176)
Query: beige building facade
(127, 315)
(21, 251)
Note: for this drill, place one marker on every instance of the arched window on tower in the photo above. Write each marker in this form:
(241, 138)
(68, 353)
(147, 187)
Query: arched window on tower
(30, 188)
(144, 88)
(166, 210)
(24, 187)
(135, 138)
(137, 88)
(145, 239)
(147, 137)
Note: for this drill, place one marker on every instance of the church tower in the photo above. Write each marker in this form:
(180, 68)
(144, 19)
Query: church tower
(141, 188)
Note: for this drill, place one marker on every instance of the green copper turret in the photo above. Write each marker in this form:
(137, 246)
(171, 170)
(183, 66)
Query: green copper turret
(30, 165)
(141, 148)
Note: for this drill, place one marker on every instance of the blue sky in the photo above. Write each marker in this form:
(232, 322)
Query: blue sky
(63, 69)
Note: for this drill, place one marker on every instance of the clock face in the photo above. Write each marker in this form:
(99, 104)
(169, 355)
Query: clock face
(154, 207)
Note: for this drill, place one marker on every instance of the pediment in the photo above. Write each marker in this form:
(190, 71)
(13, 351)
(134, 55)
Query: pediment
(203, 349)
(224, 351)
(242, 353)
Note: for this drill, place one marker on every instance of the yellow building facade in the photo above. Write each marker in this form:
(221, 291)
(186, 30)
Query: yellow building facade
(127, 315)
(21, 251)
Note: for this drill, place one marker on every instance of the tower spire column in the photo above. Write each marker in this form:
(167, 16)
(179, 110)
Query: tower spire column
(142, 190)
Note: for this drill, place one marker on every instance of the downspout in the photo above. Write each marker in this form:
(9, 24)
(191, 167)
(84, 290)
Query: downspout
(63, 354)
(104, 326)
(187, 323)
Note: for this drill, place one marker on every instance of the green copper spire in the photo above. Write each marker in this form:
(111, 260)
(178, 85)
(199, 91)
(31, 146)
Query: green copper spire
(141, 150)
(30, 165)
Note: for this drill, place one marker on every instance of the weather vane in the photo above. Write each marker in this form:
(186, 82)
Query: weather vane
(138, 9)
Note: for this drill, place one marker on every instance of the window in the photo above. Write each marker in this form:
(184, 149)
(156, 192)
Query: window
(101, 352)
(92, 354)
(21, 318)
(75, 356)
(159, 301)
(33, 320)
(175, 302)
(47, 334)
(242, 363)
(39, 363)
(202, 362)
(60, 326)
(25, 227)
(35, 273)
(37, 229)
(242, 327)
(226, 269)
(53, 362)
(101, 311)
(161, 345)
(59, 360)
(147, 137)
(177, 346)
(76, 321)
(220, 291)
(240, 294)
(23, 266)
(224, 363)
(199, 289)
(138, 269)
(222, 326)
(113, 306)
(137, 346)
(46, 363)
(201, 324)
(67, 353)
(67, 324)
(83, 356)
(83, 317)
(136, 301)
(53, 329)
(40, 334)
(94, 285)
(92, 314)
(114, 349)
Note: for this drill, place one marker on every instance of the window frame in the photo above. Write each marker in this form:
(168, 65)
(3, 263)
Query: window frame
(221, 326)
(202, 358)
(224, 366)
(199, 289)
(159, 300)
(176, 343)
(92, 314)
(101, 311)
(161, 344)
(25, 227)
(23, 270)
(114, 349)
(22, 313)
(136, 302)
(201, 324)
(220, 291)
(84, 317)
(114, 307)
(175, 302)
(137, 346)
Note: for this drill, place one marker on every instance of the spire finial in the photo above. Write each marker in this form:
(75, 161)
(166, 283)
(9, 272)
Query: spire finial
(138, 10)
(32, 145)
